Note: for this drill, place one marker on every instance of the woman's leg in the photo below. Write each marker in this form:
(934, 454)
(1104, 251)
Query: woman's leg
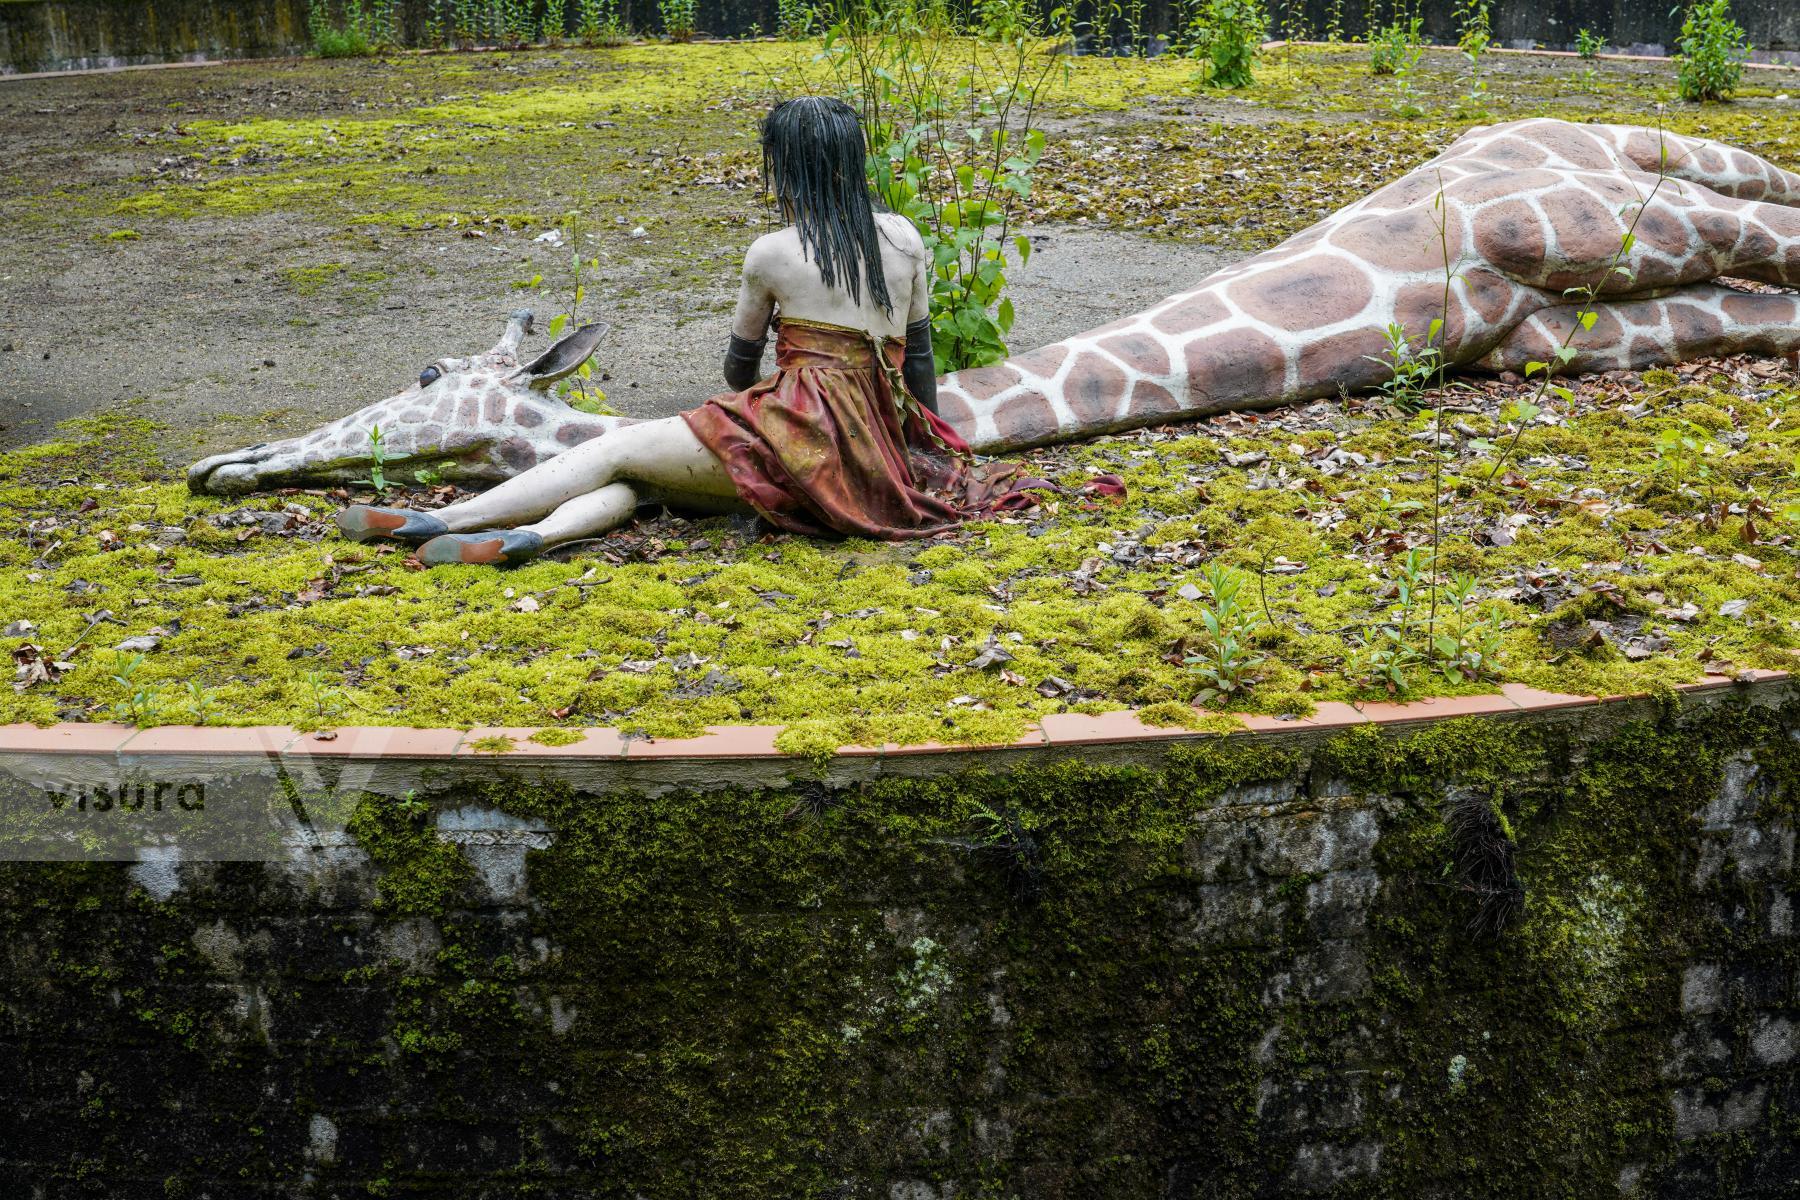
(586, 515)
(580, 493)
(663, 455)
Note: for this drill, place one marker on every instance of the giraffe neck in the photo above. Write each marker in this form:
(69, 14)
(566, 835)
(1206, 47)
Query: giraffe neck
(1240, 340)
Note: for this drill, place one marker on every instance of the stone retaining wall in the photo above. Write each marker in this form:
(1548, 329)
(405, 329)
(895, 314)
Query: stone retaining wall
(69, 35)
(1114, 962)
(60, 35)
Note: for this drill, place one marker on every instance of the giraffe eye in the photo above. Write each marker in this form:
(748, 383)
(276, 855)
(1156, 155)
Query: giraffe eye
(429, 376)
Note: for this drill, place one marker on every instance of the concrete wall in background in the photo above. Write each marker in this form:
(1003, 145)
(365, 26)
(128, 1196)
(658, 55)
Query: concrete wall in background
(61, 35)
(49, 35)
(1632, 26)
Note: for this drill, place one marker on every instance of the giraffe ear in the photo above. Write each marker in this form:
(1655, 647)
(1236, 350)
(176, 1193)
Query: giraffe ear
(563, 357)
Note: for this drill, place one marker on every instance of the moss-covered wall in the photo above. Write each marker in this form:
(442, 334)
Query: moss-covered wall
(1237, 969)
(54, 35)
(61, 35)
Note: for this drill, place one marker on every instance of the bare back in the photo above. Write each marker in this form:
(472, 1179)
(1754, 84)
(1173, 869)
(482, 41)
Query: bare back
(779, 276)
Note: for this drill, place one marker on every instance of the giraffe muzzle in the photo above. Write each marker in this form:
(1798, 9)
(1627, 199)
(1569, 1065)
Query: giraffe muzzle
(229, 474)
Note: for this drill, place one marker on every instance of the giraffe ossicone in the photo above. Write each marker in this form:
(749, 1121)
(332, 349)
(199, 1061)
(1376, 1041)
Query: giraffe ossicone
(1488, 238)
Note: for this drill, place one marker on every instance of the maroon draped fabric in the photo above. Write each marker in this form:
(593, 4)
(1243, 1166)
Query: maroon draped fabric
(833, 442)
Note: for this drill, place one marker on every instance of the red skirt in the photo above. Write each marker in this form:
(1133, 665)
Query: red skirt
(832, 442)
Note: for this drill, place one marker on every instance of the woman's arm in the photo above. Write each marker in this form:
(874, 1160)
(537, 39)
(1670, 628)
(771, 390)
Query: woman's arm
(920, 368)
(749, 327)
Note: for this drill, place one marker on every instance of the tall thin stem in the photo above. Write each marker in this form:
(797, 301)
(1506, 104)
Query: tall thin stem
(1584, 317)
(1442, 336)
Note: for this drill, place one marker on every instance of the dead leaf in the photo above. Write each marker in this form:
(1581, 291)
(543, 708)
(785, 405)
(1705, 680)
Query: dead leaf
(992, 655)
(33, 668)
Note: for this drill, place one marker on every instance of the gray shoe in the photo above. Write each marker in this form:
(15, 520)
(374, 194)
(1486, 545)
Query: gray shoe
(367, 523)
(499, 547)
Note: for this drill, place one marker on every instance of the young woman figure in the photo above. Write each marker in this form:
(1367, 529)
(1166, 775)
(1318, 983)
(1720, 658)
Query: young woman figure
(842, 438)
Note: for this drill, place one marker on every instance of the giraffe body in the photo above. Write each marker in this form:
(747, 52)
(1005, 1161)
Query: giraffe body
(1486, 237)
(1528, 209)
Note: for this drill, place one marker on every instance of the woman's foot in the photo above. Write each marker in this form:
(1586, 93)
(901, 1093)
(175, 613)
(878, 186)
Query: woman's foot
(501, 547)
(366, 523)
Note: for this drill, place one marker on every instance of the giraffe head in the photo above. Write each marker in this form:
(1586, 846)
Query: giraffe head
(477, 419)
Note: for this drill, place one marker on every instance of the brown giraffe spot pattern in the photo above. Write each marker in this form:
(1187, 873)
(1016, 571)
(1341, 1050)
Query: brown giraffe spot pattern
(1195, 312)
(1345, 356)
(984, 383)
(1404, 241)
(1318, 291)
(1095, 392)
(1024, 420)
(1043, 363)
(1419, 304)
(1489, 293)
(955, 410)
(1511, 239)
(1153, 400)
(1143, 352)
(1235, 364)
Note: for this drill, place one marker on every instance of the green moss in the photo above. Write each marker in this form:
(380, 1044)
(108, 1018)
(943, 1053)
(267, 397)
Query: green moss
(1172, 714)
(309, 281)
(761, 980)
(421, 874)
(1603, 850)
(890, 662)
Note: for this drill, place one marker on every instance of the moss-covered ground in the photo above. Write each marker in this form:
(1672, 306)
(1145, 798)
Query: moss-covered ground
(1610, 564)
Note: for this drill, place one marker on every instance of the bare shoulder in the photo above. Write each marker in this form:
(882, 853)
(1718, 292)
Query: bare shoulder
(771, 249)
(900, 233)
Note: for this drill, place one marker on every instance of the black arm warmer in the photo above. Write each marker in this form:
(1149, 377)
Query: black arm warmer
(743, 362)
(920, 371)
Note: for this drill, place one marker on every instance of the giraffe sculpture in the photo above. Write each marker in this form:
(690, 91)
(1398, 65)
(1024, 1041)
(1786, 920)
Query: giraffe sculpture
(1514, 215)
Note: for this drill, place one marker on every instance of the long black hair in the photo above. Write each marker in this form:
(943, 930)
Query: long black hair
(813, 154)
